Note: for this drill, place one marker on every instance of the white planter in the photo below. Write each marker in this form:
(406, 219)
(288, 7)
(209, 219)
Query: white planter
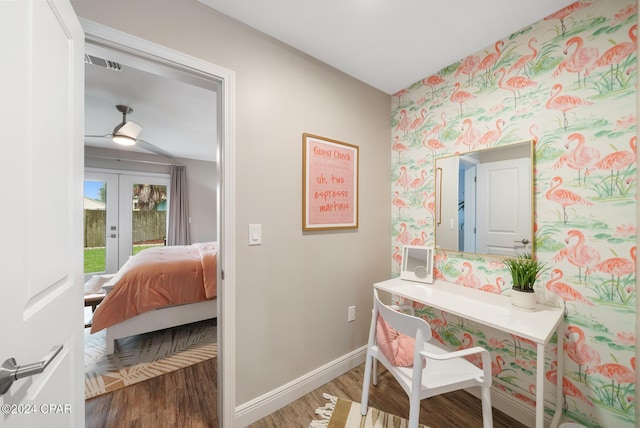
(523, 300)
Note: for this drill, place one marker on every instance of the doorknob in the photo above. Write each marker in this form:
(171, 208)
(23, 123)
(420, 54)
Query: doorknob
(10, 371)
(524, 241)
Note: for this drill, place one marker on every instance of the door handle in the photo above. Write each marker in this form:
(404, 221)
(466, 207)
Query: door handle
(524, 241)
(10, 371)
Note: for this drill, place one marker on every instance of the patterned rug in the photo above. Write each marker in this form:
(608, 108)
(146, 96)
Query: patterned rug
(340, 413)
(145, 356)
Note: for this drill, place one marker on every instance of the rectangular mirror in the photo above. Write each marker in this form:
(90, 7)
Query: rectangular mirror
(417, 263)
(484, 200)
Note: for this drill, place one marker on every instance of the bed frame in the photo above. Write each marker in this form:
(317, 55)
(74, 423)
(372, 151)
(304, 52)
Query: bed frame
(160, 319)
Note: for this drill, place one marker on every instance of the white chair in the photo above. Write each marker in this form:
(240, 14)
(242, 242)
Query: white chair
(435, 370)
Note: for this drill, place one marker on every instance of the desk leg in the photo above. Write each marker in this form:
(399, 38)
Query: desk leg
(540, 386)
(559, 375)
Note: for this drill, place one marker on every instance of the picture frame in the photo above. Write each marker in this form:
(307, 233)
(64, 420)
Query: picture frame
(330, 184)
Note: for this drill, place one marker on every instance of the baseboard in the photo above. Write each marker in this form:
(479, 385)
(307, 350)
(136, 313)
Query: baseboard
(503, 401)
(268, 403)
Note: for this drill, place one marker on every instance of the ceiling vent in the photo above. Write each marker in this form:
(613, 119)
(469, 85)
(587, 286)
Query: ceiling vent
(94, 60)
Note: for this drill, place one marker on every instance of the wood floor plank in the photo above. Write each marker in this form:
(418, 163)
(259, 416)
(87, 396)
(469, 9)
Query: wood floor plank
(187, 398)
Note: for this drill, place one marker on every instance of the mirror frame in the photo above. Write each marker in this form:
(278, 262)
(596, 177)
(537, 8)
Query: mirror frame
(438, 192)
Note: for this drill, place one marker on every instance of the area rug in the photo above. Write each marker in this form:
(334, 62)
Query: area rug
(341, 413)
(142, 357)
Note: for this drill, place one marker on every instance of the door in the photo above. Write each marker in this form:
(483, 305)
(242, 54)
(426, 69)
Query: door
(504, 214)
(101, 229)
(144, 200)
(41, 260)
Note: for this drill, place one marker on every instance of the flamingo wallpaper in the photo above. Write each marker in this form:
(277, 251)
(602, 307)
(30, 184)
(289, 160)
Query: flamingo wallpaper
(567, 82)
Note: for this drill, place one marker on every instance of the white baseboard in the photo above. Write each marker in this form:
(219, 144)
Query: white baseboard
(268, 403)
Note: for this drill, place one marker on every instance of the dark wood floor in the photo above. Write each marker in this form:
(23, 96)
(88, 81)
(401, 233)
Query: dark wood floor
(187, 399)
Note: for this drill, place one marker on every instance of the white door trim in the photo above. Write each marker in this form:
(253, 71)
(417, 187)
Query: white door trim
(225, 162)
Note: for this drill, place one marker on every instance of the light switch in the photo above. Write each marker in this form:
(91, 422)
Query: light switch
(451, 225)
(255, 234)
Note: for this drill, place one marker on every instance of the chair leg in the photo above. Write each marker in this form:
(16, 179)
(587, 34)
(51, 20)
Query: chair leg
(414, 411)
(487, 416)
(364, 401)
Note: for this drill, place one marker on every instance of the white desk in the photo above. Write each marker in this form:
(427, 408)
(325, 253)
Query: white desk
(495, 311)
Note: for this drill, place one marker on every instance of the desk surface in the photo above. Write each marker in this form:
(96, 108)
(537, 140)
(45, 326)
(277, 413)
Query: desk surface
(490, 309)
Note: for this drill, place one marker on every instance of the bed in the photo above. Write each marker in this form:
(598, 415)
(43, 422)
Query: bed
(159, 288)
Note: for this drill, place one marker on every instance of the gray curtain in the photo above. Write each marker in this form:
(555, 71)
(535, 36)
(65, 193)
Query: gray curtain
(178, 207)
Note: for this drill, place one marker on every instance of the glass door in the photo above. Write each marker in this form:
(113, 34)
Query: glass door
(100, 223)
(144, 201)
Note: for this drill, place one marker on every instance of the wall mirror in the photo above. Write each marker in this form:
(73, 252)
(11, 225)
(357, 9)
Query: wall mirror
(484, 200)
(417, 263)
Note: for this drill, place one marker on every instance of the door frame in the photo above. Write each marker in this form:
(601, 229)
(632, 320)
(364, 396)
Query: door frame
(225, 164)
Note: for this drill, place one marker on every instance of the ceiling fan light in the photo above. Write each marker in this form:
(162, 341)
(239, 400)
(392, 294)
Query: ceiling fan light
(123, 140)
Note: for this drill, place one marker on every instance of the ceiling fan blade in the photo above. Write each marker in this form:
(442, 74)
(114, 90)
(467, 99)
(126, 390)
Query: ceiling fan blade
(98, 136)
(129, 129)
(154, 149)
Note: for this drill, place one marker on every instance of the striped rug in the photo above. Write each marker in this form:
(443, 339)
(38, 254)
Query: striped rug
(340, 413)
(145, 356)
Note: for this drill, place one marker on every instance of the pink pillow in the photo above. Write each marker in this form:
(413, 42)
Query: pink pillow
(398, 348)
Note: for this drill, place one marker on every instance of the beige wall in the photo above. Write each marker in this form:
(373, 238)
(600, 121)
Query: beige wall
(292, 292)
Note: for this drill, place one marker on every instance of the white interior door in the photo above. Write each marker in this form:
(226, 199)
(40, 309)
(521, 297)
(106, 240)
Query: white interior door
(41, 259)
(504, 214)
(103, 187)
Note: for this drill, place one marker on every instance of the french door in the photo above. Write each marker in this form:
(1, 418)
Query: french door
(124, 213)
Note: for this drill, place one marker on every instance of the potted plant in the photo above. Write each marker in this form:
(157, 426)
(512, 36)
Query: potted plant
(524, 270)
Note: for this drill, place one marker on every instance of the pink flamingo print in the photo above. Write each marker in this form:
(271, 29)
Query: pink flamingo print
(397, 257)
(468, 67)
(404, 122)
(618, 53)
(581, 353)
(467, 342)
(491, 59)
(460, 97)
(494, 288)
(564, 103)
(418, 182)
(404, 180)
(564, 290)
(617, 267)
(398, 147)
(580, 60)
(420, 240)
(514, 84)
(433, 81)
(525, 59)
(568, 388)
(580, 157)
(428, 202)
(533, 131)
(399, 202)
(496, 366)
(439, 127)
(469, 136)
(563, 13)
(564, 197)
(403, 236)
(616, 373)
(417, 123)
(617, 161)
(467, 278)
(492, 136)
(578, 254)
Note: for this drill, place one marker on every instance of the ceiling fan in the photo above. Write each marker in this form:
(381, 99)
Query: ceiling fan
(126, 133)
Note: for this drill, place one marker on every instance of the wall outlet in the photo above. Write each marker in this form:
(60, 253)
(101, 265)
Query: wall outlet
(351, 316)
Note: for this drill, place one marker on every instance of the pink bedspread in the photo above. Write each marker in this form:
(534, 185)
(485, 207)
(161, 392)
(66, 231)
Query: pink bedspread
(159, 277)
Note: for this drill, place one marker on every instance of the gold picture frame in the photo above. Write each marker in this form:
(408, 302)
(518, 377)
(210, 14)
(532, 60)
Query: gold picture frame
(330, 184)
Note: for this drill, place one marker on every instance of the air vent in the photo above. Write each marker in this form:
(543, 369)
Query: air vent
(94, 60)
